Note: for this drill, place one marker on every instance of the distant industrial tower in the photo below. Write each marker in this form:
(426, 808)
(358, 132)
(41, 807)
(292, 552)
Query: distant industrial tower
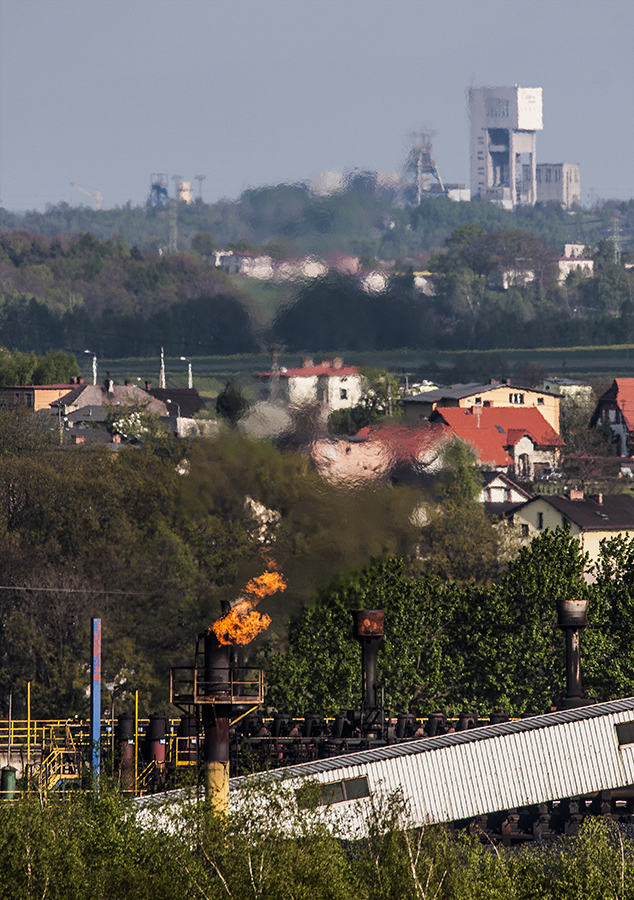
(559, 183)
(422, 165)
(504, 126)
(159, 194)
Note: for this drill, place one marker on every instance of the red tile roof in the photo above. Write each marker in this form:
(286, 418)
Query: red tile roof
(491, 430)
(310, 371)
(623, 393)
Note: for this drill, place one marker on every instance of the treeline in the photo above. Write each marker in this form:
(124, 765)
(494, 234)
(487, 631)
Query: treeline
(83, 292)
(460, 645)
(95, 847)
(121, 302)
(364, 218)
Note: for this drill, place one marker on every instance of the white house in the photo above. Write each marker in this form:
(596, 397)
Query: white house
(330, 383)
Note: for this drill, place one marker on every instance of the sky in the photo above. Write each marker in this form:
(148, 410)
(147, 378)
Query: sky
(104, 93)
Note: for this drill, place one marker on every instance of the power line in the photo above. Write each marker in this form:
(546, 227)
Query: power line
(60, 590)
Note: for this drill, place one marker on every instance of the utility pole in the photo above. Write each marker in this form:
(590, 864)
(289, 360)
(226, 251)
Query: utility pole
(162, 371)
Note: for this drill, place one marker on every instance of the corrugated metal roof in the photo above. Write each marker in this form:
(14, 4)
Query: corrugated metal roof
(494, 767)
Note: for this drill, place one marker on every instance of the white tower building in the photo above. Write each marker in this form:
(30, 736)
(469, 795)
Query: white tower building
(504, 126)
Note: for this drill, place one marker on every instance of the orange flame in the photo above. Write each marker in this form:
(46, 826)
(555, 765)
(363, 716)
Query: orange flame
(263, 585)
(242, 623)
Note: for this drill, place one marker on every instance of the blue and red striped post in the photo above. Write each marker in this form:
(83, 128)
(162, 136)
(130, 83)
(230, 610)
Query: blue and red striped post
(95, 700)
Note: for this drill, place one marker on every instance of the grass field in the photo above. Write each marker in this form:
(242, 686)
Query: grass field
(212, 372)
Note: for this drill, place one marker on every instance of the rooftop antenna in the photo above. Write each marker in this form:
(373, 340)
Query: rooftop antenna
(200, 179)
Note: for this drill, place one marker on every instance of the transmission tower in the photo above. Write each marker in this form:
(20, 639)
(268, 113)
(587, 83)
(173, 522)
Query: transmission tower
(200, 179)
(173, 242)
(616, 239)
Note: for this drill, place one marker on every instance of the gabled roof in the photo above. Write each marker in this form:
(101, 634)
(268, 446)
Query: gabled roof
(620, 392)
(614, 513)
(489, 477)
(96, 395)
(460, 391)
(493, 431)
(188, 399)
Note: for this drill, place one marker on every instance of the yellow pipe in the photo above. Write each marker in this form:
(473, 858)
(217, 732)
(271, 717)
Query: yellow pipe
(217, 786)
(28, 728)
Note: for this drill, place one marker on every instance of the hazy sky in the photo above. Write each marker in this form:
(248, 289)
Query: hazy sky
(253, 92)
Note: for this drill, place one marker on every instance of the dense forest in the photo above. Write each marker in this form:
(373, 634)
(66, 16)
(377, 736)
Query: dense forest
(72, 293)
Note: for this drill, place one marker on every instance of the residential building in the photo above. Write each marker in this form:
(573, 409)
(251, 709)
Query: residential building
(615, 410)
(495, 394)
(35, 396)
(504, 125)
(500, 495)
(510, 440)
(331, 384)
(108, 394)
(184, 402)
(559, 183)
(591, 518)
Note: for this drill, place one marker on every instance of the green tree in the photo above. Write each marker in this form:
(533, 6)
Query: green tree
(231, 403)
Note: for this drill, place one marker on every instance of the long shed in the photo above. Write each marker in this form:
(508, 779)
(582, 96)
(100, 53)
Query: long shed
(459, 776)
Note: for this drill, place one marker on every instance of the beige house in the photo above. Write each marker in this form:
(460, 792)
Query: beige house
(494, 394)
(591, 518)
(34, 396)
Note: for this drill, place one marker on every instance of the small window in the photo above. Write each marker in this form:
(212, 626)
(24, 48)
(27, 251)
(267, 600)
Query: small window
(478, 400)
(507, 495)
(540, 401)
(311, 795)
(343, 394)
(30, 399)
(540, 521)
(524, 530)
(487, 403)
(625, 733)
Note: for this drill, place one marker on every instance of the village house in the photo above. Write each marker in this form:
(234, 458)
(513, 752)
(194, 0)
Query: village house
(494, 395)
(331, 384)
(506, 439)
(590, 518)
(615, 410)
(500, 495)
(35, 396)
(82, 396)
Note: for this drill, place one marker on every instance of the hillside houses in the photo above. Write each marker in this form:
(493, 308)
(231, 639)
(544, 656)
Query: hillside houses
(590, 518)
(505, 439)
(494, 394)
